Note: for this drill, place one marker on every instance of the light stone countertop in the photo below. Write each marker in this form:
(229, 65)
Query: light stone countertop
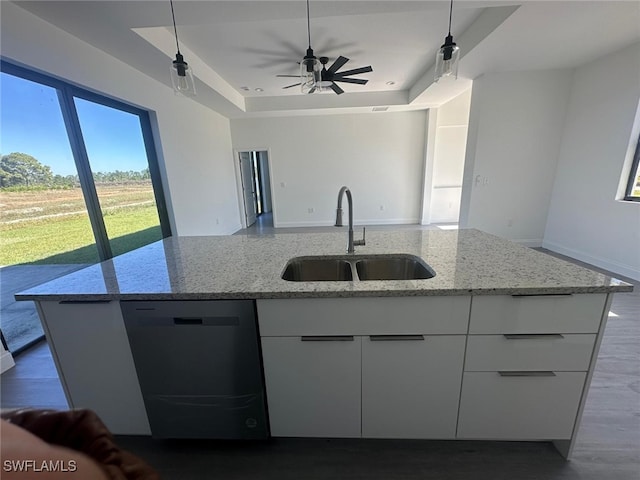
(247, 267)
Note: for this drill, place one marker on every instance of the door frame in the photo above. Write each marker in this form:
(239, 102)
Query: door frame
(240, 196)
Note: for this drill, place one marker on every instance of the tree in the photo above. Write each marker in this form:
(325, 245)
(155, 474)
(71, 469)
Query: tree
(22, 169)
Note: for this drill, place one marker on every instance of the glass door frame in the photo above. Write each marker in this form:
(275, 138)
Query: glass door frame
(66, 93)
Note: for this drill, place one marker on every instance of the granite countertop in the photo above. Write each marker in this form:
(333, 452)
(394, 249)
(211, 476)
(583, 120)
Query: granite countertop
(236, 267)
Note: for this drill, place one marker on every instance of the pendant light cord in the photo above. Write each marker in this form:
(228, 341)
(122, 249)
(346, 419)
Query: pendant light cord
(309, 24)
(174, 25)
(450, 13)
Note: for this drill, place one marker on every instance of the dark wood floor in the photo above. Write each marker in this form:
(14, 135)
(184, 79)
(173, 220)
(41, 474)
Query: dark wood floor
(608, 446)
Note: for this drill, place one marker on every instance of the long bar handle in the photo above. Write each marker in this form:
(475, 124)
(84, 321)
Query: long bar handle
(525, 373)
(525, 295)
(530, 336)
(327, 338)
(391, 338)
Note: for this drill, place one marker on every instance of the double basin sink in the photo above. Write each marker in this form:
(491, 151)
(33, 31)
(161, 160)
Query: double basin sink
(348, 268)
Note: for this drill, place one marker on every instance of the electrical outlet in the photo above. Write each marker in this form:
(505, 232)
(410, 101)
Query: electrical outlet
(310, 210)
(217, 221)
(381, 208)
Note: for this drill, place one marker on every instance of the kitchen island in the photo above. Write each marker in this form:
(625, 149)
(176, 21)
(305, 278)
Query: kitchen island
(500, 344)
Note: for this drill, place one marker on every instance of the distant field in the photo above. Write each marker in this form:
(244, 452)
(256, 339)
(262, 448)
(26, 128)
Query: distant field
(52, 226)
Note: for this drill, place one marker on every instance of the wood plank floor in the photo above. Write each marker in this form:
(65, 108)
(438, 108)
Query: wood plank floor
(608, 446)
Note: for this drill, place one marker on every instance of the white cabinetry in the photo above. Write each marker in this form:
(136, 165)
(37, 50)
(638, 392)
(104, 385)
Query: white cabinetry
(372, 367)
(410, 385)
(89, 344)
(527, 365)
(313, 385)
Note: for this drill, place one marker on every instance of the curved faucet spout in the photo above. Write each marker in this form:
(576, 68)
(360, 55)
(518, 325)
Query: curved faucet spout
(350, 245)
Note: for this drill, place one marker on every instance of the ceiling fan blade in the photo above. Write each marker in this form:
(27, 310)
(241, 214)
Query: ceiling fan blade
(358, 81)
(355, 71)
(313, 89)
(338, 64)
(336, 88)
(289, 76)
(289, 86)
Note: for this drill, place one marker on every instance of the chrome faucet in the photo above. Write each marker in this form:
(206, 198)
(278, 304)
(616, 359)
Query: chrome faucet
(351, 243)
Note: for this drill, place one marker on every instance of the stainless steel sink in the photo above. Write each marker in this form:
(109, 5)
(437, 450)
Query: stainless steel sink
(317, 269)
(393, 267)
(357, 268)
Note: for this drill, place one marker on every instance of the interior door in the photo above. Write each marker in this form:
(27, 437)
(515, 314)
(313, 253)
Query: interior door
(248, 188)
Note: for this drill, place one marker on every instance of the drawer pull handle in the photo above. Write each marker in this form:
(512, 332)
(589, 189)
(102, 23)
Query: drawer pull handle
(327, 338)
(391, 338)
(530, 336)
(541, 295)
(83, 302)
(525, 373)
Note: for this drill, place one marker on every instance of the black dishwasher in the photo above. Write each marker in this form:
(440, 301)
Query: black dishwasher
(198, 364)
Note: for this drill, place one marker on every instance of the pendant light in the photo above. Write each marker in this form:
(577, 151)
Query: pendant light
(181, 73)
(310, 66)
(448, 55)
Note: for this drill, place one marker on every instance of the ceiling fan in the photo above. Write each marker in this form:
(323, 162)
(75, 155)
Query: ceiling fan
(313, 79)
(328, 76)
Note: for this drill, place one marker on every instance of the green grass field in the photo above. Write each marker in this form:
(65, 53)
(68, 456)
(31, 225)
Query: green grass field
(49, 227)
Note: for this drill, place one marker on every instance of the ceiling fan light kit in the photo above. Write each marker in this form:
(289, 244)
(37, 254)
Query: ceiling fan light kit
(448, 55)
(315, 77)
(181, 74)
(310, 72)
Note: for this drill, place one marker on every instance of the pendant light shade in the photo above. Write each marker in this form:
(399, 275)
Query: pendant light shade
(448, 55)
(181, 74)
(310, 66)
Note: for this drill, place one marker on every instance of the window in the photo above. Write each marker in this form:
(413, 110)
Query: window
(79, 183)
(632, 192)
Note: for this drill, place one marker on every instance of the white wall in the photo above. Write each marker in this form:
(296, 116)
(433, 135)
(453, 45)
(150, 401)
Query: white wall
(515, 129)
(380, 157)
(196, 153)
(449, 155)
(585, 219)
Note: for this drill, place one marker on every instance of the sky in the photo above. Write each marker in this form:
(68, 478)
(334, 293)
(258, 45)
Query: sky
(31, 122)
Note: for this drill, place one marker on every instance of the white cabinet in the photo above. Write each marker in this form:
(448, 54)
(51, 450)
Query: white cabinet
(89, 344)
(527, 365)
(313, 385)
(580, 313)
(411, 385)
(519, 405)
(372, 367)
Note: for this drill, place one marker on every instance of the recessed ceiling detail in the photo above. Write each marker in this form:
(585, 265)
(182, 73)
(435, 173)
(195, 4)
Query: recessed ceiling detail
(233, 44)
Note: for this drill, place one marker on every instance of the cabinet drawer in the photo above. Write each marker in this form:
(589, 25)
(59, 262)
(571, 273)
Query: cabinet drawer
(495, 407)
(529, 352)
(580, 313)
(364, 316)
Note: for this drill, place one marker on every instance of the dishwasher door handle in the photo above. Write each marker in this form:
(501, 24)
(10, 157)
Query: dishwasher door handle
(187, 321)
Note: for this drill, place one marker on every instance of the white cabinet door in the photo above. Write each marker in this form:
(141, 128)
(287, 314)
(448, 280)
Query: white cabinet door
(520, 405)
(411, 385)
(90, 347)
(313, 385)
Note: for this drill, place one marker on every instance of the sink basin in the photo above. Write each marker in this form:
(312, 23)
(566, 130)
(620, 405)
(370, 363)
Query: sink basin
(393, 267)
(346, 268)
(314, 269)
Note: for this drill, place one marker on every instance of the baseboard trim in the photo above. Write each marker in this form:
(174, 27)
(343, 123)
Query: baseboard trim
(604, 263)
(391, 221)
(6, 361)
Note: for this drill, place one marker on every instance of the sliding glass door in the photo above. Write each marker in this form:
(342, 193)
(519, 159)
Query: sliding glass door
(79, 183)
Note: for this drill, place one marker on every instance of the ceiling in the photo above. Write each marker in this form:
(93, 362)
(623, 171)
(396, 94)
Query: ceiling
(236, 47)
